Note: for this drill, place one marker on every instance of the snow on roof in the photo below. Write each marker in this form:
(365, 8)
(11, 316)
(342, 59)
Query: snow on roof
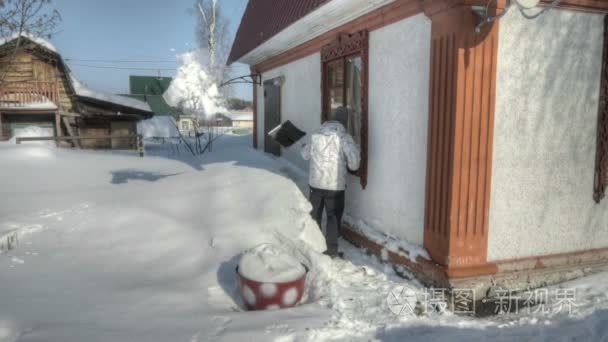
(41, 41)
(240, 115)
(82, 90)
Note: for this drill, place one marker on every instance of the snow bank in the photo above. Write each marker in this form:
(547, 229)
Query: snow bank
(270, 263)
(158, 126)
(33, 132)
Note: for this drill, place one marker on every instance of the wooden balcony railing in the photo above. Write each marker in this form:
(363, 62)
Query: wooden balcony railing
(30, 94)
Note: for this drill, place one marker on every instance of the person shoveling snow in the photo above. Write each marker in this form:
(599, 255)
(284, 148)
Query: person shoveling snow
(331, 151)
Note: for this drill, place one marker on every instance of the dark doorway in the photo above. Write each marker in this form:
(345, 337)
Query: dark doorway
(272, 115)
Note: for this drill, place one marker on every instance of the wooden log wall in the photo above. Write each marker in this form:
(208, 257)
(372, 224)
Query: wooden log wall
(31, 66)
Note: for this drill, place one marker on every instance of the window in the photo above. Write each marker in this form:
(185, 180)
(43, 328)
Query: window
(345, 84)
(185, 126)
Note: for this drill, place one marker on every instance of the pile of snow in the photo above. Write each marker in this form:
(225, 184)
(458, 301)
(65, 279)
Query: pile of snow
(82, 90)
(375, 233)
(270, 263)
(193, 88)
(159, 126)
(33, 132)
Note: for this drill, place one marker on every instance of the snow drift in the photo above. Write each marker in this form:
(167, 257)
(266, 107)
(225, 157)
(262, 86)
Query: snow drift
(33, 132)
(158, 126)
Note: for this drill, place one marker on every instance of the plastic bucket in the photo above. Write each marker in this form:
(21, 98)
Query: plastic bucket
(271, 295)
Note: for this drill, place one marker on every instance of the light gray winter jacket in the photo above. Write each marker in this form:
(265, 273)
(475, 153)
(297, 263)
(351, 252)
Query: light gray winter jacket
(330, 150)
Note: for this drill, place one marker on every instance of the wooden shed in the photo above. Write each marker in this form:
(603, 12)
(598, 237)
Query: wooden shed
(37, 89)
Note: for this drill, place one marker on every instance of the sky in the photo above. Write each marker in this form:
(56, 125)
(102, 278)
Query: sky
(151, 32)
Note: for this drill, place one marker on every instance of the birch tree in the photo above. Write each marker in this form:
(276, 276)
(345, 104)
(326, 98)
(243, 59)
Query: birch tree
(213, 37)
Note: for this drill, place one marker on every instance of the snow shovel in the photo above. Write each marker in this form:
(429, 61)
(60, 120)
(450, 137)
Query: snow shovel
(286, 134)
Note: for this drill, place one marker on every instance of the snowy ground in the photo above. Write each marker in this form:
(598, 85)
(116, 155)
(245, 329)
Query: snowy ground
(113, 247)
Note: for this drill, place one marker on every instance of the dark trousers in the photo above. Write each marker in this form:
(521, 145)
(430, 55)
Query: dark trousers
(333, 203)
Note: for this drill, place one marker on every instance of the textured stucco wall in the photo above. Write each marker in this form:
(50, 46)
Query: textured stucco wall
(399, 67)
(398, 115)
(300, 100)
(545, 136)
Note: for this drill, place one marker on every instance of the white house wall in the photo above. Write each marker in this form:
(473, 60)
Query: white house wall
(545, 136)
(398, 115)
(300, 100)
(399, 64)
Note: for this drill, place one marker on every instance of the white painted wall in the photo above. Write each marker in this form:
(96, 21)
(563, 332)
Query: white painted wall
(545, 136)
(300, 100)
(398, 116)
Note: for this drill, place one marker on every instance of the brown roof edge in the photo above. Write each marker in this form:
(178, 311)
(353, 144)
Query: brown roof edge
(263, 19)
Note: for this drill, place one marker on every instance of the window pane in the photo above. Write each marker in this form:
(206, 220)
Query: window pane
(335, 86)
(354, 89)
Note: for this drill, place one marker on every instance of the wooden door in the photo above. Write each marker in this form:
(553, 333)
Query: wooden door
(272, 115)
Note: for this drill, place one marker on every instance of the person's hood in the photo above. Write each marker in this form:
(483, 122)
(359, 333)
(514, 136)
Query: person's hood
(331, 127)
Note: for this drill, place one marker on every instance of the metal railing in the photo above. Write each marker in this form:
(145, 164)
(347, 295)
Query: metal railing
(24, 94)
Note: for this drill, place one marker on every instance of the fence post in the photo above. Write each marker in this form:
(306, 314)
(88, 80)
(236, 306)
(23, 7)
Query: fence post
(140, 145)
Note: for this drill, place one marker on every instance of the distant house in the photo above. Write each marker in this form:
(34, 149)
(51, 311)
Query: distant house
(241, 118)
(485, 142)
(38, 89)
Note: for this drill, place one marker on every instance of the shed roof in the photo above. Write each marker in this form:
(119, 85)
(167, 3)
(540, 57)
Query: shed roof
(263, 19)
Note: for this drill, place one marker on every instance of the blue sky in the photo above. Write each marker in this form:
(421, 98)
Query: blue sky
(151, 30)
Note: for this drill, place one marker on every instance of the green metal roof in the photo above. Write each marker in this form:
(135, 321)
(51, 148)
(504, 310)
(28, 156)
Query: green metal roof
(157, 104)
(151, 85)
(150, 89)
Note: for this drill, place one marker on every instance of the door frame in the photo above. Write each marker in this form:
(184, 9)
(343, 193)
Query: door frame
(274, 82)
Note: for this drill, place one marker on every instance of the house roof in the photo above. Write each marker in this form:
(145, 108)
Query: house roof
(83, 91)
(40, 41)
(150, 85)
(263, 19)
(157, 104)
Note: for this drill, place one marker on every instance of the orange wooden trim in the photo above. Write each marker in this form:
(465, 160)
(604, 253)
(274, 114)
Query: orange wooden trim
(595, 6)
(438, 275)
(460, 139)
(545, 258)
(388, 14)
(426, 270)
(539, 262)
(434, 7)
